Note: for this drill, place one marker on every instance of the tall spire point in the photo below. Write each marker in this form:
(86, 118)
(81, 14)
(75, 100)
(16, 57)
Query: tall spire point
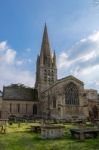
(45, 47)
(45, 24)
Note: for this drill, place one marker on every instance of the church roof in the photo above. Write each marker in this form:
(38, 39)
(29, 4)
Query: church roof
(62, 80)
(71, 77)
(19, 92)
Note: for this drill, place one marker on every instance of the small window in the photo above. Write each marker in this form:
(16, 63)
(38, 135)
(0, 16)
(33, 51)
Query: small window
(54, 102)
(34, 109)
(45, 73)
(10, 108)
(52, 79)
(45, 78)
(18, 107)
(52, 72)
(26, 107)
(48, 79)
(48, 72)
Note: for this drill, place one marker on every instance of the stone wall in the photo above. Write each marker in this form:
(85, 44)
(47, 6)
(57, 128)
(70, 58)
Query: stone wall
(17, 92)
(17, 108)
(92, 94)
(62, 110)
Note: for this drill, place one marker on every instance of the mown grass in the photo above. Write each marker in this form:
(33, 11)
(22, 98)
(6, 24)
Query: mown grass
(23, 139)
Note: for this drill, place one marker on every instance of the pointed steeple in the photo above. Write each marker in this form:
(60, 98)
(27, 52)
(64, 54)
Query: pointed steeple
(46, 69)
(45, 47)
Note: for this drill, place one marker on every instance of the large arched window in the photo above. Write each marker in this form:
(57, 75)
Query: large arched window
(71, 94)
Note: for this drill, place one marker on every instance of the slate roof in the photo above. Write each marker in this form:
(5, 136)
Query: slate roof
(19, 92)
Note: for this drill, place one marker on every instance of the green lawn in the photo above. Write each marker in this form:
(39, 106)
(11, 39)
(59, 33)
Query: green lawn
(22, 139)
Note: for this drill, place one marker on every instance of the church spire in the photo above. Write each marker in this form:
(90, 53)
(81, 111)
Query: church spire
(46, 70)
(45, 47)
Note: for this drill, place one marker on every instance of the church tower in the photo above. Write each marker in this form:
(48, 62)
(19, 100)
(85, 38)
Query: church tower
(46, 70)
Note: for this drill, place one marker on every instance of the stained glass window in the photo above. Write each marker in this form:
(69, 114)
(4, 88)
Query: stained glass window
(71, 94)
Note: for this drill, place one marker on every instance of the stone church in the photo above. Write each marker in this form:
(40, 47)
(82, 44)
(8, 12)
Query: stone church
(64, 98)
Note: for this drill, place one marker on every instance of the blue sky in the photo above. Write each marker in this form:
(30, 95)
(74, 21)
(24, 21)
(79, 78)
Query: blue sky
(73, 27)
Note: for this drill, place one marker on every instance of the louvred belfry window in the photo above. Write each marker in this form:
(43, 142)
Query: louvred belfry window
(71, 94)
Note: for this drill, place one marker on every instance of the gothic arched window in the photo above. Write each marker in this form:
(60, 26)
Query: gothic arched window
(95, 111)
(71, 94)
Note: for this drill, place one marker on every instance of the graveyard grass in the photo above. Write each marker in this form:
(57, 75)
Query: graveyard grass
(23, 139)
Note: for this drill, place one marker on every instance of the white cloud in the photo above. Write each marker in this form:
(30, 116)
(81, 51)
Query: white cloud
(63, 60)
(9, 75)
(3, 45)
(82, 60)
(19, 62)
(94, 37)
(7, 54)
(12, 68)
(88, 56)
(10, 56)
(97, 82)
(90, 70)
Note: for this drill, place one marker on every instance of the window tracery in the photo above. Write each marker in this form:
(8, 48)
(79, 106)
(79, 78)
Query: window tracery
(71, 94)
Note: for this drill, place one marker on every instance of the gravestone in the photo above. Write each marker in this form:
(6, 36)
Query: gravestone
(52, 131)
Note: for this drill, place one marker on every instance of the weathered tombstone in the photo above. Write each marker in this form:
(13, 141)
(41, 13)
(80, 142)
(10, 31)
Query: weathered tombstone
(82, 132)
(49, 131)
